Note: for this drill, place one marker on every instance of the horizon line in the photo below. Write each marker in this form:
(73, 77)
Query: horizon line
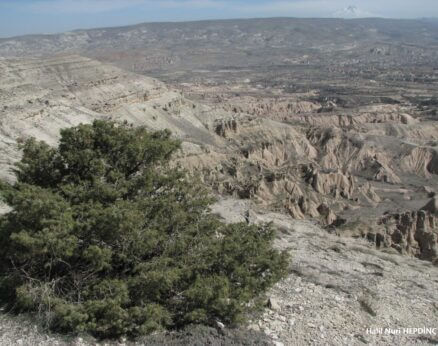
(208, 20)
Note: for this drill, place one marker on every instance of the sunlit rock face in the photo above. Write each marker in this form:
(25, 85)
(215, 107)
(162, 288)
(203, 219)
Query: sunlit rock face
(322, 119)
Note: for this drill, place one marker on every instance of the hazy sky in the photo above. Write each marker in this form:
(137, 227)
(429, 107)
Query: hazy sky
(19, 17)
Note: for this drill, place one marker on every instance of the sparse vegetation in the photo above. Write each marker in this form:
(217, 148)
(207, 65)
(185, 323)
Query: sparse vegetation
(105, 237)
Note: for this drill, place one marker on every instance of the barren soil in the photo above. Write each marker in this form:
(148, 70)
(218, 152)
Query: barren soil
(327, 127)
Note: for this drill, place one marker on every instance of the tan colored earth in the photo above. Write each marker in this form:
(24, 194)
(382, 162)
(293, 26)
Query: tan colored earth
(345, 166)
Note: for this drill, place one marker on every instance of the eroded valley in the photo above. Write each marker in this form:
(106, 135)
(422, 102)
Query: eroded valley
(330, 122)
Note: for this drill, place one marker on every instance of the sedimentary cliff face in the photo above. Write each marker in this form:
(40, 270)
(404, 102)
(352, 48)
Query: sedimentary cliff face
(38, 97)
(414, 233)
(332, 168)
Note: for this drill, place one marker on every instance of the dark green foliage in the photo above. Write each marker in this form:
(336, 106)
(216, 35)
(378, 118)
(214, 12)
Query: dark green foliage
(105, 237)
(199, 335)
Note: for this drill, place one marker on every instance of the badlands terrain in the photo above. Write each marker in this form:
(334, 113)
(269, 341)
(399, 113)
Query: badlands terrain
(326, 127)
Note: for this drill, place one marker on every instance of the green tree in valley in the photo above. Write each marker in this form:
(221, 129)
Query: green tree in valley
(106, 237)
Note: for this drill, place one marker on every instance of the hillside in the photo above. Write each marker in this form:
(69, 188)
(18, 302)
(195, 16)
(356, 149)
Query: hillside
(326, 127)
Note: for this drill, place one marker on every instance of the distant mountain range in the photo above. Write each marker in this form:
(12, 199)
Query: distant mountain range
(353, 11)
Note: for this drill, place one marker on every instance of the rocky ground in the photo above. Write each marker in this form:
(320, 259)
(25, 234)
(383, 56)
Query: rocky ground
(340, 292)
(339, 288)
(331, 133)
(352, 145)
(21, 331)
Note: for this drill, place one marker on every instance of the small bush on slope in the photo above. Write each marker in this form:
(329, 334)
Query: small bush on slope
(104, 237)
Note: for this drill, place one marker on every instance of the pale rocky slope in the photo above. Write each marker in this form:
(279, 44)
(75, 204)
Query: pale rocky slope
(339, 287)
(38, 97)
(334, 168)
(372, 177)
